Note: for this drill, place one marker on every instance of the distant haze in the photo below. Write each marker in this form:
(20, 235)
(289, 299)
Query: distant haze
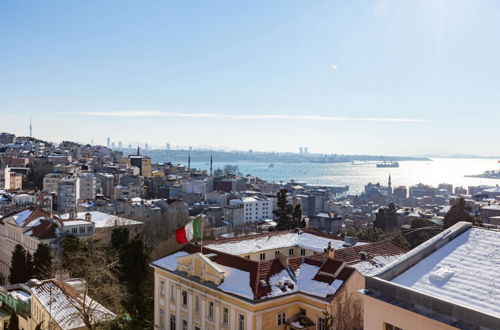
(376, 77)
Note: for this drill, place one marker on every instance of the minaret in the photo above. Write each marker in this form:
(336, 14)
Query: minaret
(138, 154)
(31, 129)
(189, 161)
(211, 165)
(390, 183)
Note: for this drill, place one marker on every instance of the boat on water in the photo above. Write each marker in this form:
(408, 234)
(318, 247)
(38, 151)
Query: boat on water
(271, 165)
(388, 164)
(486, 175)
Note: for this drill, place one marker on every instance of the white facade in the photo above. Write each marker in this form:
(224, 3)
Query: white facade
(88, 186)
(255, 208)
(5, 178)
(51, 182)
(68, 194)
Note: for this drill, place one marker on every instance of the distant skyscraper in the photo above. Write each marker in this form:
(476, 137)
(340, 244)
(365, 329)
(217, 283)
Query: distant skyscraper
(108, 142)
(130, 146)
(120, 144)
(92, 142)
(113, 145)
(167, 146)
(306, 150)
(211, 165)
(301, 150)
(146, 146)
(190, 148)
(31, 128)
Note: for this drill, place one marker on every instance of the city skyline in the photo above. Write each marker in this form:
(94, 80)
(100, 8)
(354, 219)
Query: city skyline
(378, 77)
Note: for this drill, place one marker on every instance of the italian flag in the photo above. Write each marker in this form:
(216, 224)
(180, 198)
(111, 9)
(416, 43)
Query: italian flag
(189, 231)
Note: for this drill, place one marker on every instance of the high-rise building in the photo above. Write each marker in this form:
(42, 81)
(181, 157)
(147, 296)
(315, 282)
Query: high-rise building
(167, 146)
(301, 150)
(146, 146)
(306, 150)
(108, 142)
(120, 144)
(68, 194)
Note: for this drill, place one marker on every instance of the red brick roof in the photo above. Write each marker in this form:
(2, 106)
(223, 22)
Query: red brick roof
(352, 255)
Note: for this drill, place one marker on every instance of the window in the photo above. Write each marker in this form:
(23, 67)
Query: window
(281, 318)
(247, 257)
(262, 256)
(172, 322)
(184, 298)
(211, 310)
(276, 253)
(302, 252)
(184, 325)
(290, 252)
(197, 304)
(241, 322)
(74, 231)
(388, 326)
(321, 323)
(172, 292)
(225, 316)
(162, 318)
(82, 230)
(162, 288)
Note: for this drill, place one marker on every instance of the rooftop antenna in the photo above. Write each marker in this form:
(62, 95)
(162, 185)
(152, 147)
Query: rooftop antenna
(189, 161)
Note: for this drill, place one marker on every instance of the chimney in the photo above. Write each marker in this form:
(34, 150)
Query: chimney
(72, 214)
(88, 216)
(283, 259)
(329, 251)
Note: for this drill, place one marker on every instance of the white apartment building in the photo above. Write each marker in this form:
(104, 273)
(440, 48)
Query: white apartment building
(88, 185)
(68, 194)
(255, 208)
(5, 178)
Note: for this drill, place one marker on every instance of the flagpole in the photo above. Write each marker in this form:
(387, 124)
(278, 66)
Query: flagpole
(202, 230)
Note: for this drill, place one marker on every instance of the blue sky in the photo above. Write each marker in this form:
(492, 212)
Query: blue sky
(376, 77)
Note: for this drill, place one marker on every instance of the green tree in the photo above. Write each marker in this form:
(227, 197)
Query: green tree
(71, 247)
(371, 234)
(42, 262)
(401, 240)
(297, 217)
(14, 321)
(283, 211)
(458, 212)
(119, 238)
(18, 269)
(386, 218)
(29, 266)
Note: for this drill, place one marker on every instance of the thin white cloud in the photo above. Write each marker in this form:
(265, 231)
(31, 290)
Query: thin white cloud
(333, 66)
(235, 117)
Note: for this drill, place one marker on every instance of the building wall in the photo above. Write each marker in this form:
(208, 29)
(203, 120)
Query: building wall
(263, 315)
(378, 313)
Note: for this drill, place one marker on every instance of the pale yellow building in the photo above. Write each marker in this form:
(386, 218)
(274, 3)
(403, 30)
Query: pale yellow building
(282, 280)
(142, 162)
(448, 282)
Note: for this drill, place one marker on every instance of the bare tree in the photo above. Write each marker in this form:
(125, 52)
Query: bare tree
(347, 312)
(100, 286)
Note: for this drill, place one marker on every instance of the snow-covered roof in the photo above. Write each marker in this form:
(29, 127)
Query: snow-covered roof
(282, 283)
(64, 305)
(170, 262)
(103, 220)
(463, 271)
(302, 240)
(368, 268)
